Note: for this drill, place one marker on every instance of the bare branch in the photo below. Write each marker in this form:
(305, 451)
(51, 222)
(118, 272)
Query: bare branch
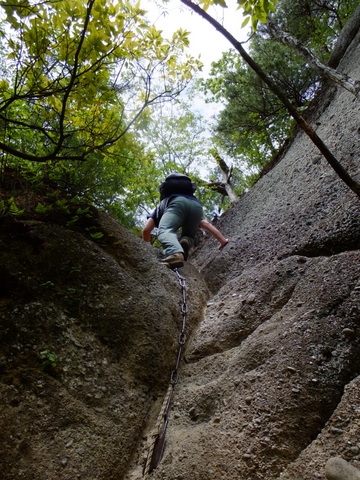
(340, 78)
(331, 159)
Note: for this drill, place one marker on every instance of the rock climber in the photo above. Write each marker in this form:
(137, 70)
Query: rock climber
(178, 208)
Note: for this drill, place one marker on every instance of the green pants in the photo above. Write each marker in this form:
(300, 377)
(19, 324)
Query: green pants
(181, 212)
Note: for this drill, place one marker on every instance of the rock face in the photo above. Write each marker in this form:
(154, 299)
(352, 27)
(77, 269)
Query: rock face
(110, 314)
(269, 386)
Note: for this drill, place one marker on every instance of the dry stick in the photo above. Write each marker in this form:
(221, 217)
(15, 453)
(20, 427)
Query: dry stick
(335, 164)
(353, 86)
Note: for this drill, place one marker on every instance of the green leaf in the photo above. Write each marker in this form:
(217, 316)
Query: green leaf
(73, 220)
(222, 3)
(96, 235)
(13, 208)
(40, 208)
(81, 211)
(245, 22)
(47, 284)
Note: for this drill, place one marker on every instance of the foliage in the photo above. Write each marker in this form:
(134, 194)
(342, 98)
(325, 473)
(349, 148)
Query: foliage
(254, 123)
(82, 75)
(9, 207)
(50, 359)
(316, 23)
(114, 181)
(254, 10)
(48, 284)
(177, 138)
(77, 78)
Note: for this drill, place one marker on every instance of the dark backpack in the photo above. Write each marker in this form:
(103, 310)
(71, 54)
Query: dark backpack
(176, 183)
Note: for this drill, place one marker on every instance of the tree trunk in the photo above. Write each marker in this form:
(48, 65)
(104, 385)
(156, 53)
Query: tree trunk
(226, 176)
(346, 36)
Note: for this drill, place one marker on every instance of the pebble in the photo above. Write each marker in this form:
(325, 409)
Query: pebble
(348, 332)
(336, 430)
(316, 159)
(337, 468)
(251, 298)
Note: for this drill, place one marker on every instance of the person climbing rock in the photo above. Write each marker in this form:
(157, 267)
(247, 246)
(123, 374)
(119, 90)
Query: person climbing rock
(178, 208)
(210, 228)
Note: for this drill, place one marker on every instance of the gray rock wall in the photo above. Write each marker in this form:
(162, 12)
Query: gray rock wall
(111, 315)
(262, 392)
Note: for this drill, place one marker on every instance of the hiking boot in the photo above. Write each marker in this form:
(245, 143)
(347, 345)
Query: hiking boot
(174, 261)
(184, 242)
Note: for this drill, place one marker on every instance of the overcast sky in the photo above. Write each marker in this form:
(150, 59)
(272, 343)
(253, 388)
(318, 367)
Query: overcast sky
(204, 38)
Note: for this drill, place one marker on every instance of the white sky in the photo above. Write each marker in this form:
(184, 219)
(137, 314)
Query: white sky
(205, 41)
(204, 38)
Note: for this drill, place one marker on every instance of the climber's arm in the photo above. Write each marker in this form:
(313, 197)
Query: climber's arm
(209, 227)
(148, 228)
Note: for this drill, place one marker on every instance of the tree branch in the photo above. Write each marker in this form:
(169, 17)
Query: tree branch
(333, 162)
(340, 78)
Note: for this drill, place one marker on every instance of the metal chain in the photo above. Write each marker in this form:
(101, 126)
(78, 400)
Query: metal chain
(158, 436)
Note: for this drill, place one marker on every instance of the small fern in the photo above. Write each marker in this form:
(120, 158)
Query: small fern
(13, 208)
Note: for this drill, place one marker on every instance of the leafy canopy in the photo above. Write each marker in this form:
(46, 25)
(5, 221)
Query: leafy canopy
(78, 80)
(254, 124)
(253, 10)
(81, 75)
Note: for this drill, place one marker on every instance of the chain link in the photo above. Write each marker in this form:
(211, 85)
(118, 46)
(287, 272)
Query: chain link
(158, 437)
